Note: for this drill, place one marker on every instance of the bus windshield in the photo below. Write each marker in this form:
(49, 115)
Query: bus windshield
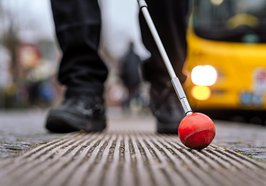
(230, 20)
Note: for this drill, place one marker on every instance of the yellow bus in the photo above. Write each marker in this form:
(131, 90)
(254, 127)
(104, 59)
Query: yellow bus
(226, 63)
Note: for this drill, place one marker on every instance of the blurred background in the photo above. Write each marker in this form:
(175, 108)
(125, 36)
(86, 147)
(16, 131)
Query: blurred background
(225, 67)
(28, 54)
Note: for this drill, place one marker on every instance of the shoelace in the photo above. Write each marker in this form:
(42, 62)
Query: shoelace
(84, 102)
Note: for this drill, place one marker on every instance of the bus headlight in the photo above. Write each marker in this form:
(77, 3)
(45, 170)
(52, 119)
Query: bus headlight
(204, 75)
(201, 92)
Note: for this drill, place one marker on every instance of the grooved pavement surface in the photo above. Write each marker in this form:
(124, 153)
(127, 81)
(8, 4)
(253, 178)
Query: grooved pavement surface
(128, 158)
(128, 153)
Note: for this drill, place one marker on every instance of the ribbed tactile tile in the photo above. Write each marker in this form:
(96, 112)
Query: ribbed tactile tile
(129, 158)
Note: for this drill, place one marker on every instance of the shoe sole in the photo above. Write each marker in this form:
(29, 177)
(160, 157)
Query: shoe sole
(167, 128)
(60, 122)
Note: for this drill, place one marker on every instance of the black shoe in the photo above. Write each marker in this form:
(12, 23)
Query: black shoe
(166, 107)
(77, 113)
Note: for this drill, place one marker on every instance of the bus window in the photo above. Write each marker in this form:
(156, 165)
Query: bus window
(230, 20)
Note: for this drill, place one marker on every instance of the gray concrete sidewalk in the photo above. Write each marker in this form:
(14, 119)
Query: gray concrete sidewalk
(20, 130)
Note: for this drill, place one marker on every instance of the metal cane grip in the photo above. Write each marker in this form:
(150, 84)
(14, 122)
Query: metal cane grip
(181, 95)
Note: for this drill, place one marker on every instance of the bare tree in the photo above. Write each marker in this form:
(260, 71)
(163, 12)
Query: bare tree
(9, 37)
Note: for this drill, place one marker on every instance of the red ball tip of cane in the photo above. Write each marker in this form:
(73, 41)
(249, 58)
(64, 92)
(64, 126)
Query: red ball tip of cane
(196, 131)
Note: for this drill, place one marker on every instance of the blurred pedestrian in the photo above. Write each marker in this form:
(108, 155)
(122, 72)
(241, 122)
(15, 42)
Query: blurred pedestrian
(83, 72)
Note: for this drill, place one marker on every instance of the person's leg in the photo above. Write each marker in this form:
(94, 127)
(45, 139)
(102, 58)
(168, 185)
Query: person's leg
(170, 18)
(77, 25)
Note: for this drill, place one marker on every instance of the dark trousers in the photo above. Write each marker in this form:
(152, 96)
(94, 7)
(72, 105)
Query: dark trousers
(78, 26)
